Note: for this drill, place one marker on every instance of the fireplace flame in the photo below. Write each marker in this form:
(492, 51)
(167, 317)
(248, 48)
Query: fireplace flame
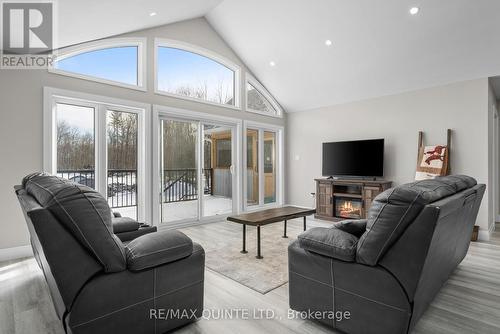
(347, 206)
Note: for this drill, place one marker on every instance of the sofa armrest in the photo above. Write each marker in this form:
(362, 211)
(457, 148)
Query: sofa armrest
(331, 242)
(124, 224)
(356, 227)
(157, 248)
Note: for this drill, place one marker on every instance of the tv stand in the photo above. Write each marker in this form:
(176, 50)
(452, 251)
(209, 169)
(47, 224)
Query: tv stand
(346, 198)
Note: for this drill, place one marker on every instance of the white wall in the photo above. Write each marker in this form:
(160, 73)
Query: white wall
(461, 107)
(21, 101)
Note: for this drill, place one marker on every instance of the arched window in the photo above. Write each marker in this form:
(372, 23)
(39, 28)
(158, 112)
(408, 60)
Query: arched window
(190, 72)
(259, 100)
(116, 61)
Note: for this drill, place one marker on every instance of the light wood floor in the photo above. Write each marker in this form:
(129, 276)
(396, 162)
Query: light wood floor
(468, 303)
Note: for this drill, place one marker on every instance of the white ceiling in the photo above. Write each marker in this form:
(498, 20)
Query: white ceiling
(85, 20)
(378, 47)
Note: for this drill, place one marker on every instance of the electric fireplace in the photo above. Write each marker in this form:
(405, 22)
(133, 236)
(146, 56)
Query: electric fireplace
(348, 207)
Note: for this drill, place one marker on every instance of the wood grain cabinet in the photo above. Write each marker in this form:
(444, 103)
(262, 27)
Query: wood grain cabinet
(346, 199)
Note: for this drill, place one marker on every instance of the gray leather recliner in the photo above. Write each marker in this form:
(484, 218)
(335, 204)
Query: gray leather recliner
(379, 275)
(97, 284)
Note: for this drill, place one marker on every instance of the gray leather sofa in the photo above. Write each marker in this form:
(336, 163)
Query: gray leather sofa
(379, 275)
(97, 284)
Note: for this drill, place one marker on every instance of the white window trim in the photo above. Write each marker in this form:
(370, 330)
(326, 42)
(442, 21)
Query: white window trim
(102, 103)
(164, 112)
(139, 42)
(261, 89)
(280, 174)
(171, 43)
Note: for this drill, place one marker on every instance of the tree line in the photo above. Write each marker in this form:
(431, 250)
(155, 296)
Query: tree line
(76, 149)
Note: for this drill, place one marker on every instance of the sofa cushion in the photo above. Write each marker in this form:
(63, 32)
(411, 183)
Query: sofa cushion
(157, 248)
(355, 227)
(330, 242)
(124, 224)
(393, 210)
(84, 212)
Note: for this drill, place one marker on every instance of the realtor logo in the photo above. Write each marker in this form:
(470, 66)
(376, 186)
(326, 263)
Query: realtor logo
(27, 34)
(27, 28)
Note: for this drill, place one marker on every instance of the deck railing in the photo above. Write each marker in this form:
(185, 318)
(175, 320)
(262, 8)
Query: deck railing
(181, 184)
(121, 189)
(178, 184)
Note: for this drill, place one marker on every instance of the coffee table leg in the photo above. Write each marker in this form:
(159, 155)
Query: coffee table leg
(304, 223)
(258, 243)
(284, 233)
(244, 250)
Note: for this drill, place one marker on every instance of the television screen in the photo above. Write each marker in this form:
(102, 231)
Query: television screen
(354, 158)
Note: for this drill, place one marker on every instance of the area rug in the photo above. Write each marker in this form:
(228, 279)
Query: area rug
(223, 243)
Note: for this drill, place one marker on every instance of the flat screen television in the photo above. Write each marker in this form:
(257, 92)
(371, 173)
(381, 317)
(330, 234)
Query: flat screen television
(359, 158)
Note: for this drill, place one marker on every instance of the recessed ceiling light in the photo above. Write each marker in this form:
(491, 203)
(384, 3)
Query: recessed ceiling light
(328, 42)
(152, 14)
(414, 10)
(272, 63)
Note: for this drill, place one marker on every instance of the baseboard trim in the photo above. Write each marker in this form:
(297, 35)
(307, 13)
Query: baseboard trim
(13, 253)
(484, 235)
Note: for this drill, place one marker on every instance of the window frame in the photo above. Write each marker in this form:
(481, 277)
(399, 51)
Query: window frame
(101, 105)
(250, 79)
(198, 50)
(139, 42)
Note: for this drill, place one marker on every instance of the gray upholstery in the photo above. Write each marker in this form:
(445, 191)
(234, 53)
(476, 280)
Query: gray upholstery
(124, 224)
(158, 248)
(393, 210)
(87, 296)
(330, 242)
(84, 212)
(356, 227)
(424, 233)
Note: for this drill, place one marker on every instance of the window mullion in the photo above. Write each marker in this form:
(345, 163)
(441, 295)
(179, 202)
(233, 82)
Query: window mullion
(262, 183)
(101, 151)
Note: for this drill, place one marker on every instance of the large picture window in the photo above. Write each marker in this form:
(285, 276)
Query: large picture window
(193, 73)
(93, 141)
(117, 62)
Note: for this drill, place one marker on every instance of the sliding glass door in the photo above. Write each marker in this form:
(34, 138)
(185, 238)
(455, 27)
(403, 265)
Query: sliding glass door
(179, 170)
(218, 171)
(196, 170)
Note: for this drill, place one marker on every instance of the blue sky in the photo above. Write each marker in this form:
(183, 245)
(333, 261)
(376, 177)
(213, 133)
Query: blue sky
(117, 64)
(178, 67)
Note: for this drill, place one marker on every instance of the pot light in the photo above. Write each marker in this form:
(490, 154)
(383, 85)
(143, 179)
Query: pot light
(414, 10)
(152, 14)
(272, 63)
(328, 42)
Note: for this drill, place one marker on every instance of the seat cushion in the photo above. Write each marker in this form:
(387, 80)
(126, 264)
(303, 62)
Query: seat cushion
(330, 242)
(157, 248)
(393, 211)
(84, 212)
(124, 224)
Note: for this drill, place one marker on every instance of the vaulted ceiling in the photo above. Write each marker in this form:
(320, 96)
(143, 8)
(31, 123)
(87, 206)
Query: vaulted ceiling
(377, 47)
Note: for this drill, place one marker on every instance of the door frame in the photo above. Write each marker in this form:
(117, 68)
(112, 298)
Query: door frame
(263, 127)
(161, 112)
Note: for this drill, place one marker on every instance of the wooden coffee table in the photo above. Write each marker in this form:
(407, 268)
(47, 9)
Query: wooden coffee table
(269, 216)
